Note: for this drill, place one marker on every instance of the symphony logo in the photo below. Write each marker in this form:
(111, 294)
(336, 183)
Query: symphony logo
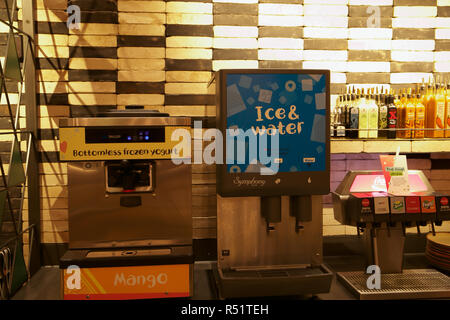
(74, 17)
(374, 280)
(259, 151)
(74, 280)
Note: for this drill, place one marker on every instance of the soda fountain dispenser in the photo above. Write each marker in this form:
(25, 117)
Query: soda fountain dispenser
(362, 201)
(275, 125)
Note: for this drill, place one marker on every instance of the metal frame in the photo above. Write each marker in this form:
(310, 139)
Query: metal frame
(30, 184)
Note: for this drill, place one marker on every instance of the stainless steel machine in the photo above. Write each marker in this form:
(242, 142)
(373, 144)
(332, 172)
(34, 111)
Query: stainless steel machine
(130, 223)
(361, 200)
(269, 214)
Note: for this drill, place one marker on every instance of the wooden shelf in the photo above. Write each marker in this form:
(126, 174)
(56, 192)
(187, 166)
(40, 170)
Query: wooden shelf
(389, 145)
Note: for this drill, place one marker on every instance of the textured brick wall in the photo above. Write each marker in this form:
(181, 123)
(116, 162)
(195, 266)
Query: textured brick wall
(162, 53)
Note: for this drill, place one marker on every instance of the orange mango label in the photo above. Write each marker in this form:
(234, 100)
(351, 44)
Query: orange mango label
(134, 282)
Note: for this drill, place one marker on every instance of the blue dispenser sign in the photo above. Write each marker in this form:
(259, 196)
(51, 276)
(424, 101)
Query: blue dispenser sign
(293, 105)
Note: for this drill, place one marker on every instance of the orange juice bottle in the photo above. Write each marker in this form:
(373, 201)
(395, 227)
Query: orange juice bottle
(420, 118)
(431, 113)
(440, 112)
(401, 108)
(447, 108)
(410, 114)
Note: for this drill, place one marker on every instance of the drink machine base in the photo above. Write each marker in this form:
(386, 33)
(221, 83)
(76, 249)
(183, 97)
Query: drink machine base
(255, 261)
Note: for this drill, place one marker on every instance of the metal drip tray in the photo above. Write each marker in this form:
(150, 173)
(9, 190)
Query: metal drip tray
(273, 282)
(410, 284)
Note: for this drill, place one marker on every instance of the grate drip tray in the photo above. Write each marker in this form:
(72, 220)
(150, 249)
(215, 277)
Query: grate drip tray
(411, 284)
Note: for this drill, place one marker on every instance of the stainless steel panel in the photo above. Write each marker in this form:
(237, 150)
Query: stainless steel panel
(124, 122)
(241, 231)
(96, 219)
(128, 253)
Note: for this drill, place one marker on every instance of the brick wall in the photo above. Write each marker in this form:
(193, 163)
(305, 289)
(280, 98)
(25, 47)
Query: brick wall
(162, 53)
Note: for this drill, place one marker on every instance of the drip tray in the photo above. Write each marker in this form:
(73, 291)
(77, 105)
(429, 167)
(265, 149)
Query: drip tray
(410, 284)
(272, 282)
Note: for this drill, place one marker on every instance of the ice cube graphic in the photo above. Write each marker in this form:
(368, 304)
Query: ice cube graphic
(235, 104)
(282, 99)
(318, 129)
(250, 100)
(316, 77)
(274, 86)
(293, 169)
(308, 99)
(307, 85)
(319, 149)
(245, 82)
(320, 101)
(256, 88)
(265, 96)
(290, 86)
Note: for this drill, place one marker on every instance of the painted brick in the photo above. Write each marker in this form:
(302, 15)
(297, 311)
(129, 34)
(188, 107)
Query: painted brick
(411, 66)
(186, 88)
(91, 87)
(419, 164)
(141, 6)
(235, 32)
(363, 22)
(235, 54)
(280, 32)
(280, 43)
(365, 11)
(235, 43)
(280, 9)
(153, 76)
(95, 41)
(92, 99)
(124, 87)
(425, 56)
(175, 7)
(368, 77)
(189, 42)
(369, 55)
(414, 2)
(338, 165)
(326, 33)
(234, 64)
(235, 8)
(440, 175)
(427, 22)
(368, 66)
(190, 30)
(442, 33)
(336, 55)
(273, 64)
(235, 20)
(415, 11)
(151, 53)
(363, 165)
(325, 44)
(287, 21)
(330, 22)
(409, 77)
(188, 76)
(325, 10)
(188, 64)
(279, 54)
(139, 99)
(141, 64)
(141, 29)
(189, 18)
(411, 33)
(188, 53)
(95, 29)
(93, 63)
(142, 18)
(412, 44)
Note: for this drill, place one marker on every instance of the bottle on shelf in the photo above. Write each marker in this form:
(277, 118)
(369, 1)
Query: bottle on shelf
(401, 108)
(354, 117)
(440, 112)
(392, 117)
(382, 115)
(447, 108)
(363, 117)
(409, 118)
(373, 116)
(419, 118)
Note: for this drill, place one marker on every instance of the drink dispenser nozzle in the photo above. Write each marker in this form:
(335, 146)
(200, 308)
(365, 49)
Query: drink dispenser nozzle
(300, 207)
(271, 210)
(432, 228)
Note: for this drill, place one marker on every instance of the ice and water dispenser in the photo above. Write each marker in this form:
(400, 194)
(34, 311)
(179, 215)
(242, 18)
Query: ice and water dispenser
(275, 125)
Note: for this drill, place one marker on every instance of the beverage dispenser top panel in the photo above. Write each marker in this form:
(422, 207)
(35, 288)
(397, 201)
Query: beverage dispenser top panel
(275, 128)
